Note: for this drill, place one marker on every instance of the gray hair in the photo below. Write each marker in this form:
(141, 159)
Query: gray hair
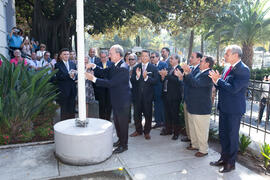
(176, 56)
(156, 53)
(235, 49)
(104, 52)
(134, 55)
(118, 49)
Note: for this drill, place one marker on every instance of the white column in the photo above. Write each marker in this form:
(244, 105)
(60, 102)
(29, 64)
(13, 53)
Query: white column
(81, 67)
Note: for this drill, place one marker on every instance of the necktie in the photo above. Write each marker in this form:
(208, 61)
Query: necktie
(67, 66)
(143, 67)
(104, 66)
(227, 73)
(197, 74)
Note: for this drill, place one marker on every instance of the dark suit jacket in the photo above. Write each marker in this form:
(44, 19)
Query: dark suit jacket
(186, 87)
(117, 82)
(141, 88)
(100, 91)
(232, 90)
(199, 93)
(174, 86)
(158, 86)
(96, 60)
(67, 86)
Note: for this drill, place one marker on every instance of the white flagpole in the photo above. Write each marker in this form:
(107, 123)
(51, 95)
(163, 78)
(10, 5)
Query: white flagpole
(81, 66)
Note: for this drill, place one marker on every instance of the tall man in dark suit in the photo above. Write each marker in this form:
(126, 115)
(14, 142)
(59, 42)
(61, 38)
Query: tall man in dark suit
(159, 113)
(194, 63)
(92, 56)
(172, 96)
(102, 93)
(199, 104)
(231, 86)
(118, 84)
(66, 82)
(143, 80)
(165, 53)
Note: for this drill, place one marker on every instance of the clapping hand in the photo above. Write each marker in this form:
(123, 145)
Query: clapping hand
(179, 74)
(138, 72)
(186, 68)
(90, 65)
(163, 73)
(214, 75)
(144, 74)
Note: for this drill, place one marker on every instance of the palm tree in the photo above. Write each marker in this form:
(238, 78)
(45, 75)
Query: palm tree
(249, 25)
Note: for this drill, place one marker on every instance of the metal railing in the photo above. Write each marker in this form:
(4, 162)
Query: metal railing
(251, 118)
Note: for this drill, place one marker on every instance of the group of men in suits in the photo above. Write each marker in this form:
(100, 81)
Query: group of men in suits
(164, 82)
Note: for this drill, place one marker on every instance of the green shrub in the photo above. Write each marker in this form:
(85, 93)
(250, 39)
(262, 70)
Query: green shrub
(265, 151)
(213, 133)
(181, 115)
(44, 131)
(244, 142)
(23, 95)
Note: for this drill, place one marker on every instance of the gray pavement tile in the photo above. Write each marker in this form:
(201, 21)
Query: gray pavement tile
(30, 162)
(110, 164)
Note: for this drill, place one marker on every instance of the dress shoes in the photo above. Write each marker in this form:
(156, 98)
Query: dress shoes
(116, 144)
(185, 139)
(175, 137)
(135, 134)
(157, 126)
(199, 154)
(191, 148)
(164, 132)
(220, 162)
(147, 136)
(227, 168)
(120, 149)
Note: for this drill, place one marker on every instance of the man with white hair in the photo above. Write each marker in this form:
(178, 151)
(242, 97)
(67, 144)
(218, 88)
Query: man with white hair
(232, 86)
(118, 84)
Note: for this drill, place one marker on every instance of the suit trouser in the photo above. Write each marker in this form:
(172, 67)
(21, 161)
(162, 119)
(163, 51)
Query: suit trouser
(172, 119)
(159, 110)
(229, 125)
(145, 107)
(186, 120)
(105, 107)
(199, 131)
(120, 118)
(263, 103)
(67, 107)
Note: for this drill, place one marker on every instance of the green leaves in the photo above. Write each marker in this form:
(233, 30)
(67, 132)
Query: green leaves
(244, 143)
(23, 95)
(265, 151)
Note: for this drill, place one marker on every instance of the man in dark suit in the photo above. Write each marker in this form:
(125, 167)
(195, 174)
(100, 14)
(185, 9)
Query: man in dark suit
(232, 86)
(143, 79)
(66, 82)
(194, 63)
(159, 113)
(118, 84)
(102, 93)
(199, 105)
(92, 56)
(165, 53)
(172, 96)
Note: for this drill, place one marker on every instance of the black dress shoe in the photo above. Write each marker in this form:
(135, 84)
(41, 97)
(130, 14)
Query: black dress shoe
(227, 168)
(157, 126)
(120, 149)
(116, 144)
(175, 137)
(220, 162)
(164, 132)
(185, 139)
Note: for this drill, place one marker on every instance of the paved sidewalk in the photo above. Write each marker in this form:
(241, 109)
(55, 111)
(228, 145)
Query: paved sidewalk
(159, 159)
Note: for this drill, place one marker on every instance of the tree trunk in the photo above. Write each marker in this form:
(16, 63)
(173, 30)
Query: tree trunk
(191, 39)
(248, 53)
(55, 33)
(218, 49)
(202, 45)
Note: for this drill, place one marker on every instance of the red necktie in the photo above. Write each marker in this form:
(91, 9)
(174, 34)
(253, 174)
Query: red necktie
(227, 73)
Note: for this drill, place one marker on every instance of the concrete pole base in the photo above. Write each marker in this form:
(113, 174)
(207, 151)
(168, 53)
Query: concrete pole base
(83, 145)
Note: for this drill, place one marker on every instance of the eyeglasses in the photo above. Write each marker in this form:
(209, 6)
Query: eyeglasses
(131, 59)
(152, 57)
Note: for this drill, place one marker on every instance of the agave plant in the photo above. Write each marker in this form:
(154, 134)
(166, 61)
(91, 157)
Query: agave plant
(265, 151)
(244, 143)
(23, 95)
